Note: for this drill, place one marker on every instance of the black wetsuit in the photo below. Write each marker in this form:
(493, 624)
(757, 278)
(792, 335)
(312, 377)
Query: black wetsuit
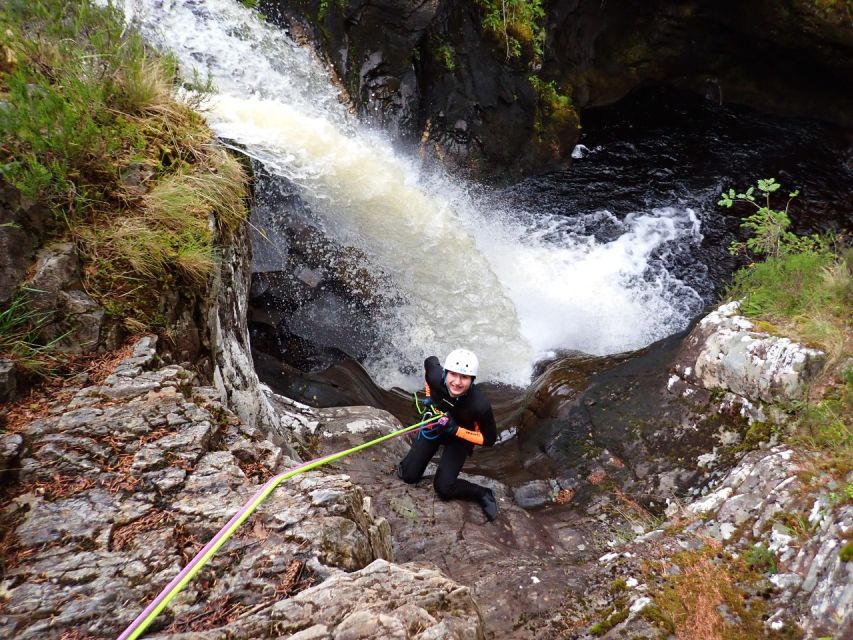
(473, 413)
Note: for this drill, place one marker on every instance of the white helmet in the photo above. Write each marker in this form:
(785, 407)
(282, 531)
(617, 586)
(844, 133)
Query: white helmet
(462, 361)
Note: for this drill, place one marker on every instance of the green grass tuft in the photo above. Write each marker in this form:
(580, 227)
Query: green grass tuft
(802, 289)
(19, 337)
(90, 128)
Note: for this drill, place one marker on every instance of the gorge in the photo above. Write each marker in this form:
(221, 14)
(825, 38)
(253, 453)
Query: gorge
(628, 465)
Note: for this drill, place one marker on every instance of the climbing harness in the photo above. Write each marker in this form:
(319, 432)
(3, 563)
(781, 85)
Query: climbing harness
(432, 413)
(144, 619)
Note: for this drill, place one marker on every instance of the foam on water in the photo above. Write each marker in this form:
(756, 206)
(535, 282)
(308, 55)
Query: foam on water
(514, 286)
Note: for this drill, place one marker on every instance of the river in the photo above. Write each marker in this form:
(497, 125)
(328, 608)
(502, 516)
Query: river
(616, 251)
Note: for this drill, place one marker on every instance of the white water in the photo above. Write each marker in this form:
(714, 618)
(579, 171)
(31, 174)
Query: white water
(513, 288)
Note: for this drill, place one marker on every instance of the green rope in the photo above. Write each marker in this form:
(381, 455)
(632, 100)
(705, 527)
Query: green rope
(144, 619)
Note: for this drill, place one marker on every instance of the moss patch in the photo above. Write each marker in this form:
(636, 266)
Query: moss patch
(613, 617)
(696, 586)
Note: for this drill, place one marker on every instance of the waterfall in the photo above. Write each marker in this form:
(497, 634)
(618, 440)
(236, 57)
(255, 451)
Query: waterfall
(466, 271)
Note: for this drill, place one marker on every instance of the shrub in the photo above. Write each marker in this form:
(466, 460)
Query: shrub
(89, 127)
(517, 25)
(804, 285)
(803, 288)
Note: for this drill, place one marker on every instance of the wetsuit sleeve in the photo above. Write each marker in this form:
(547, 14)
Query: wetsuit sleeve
(486, 423)
(475, 437)
(433, 373)
(485, 431)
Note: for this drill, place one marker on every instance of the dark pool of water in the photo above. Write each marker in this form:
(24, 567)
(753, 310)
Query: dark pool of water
(655, 148)
(663, 147)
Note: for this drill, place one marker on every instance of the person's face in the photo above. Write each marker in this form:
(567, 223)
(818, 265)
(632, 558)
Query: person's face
(458, 383)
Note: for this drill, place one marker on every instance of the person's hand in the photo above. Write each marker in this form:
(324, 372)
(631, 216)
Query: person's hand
(448, 424)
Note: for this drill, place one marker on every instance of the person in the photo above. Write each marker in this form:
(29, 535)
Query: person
(468, 422)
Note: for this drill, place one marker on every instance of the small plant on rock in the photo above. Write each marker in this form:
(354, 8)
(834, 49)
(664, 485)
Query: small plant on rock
(760, 558)
(517, 24)
(769, 226)
(444, 53)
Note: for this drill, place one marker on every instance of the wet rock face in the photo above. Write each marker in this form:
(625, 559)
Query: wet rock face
(430, 72)
(591, 423)
(663, 421)
(312, 304)
(227, 333)
(117, 491)
(371, 45)
(788, 57)
(426, 71)
(518, 568)
(481, 111)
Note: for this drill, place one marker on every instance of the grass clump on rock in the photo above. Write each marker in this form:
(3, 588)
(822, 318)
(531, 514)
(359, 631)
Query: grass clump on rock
(802, 287)
(703, 594)
(90, 128)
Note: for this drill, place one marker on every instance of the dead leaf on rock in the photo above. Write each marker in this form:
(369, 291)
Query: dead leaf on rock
(259, 531)
(564, 496)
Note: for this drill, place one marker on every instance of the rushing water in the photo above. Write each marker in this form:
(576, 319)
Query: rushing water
(515, 274)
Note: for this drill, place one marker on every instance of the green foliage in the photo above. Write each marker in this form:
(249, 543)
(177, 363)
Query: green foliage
(760, 558)
(554, 108)
(19, 337)
(444, 53)
(89, 127)
(517, 25)
(769, 227)
(803, 285)
(787, 287)
(78, 82)
(555, 104)
(846, 552)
